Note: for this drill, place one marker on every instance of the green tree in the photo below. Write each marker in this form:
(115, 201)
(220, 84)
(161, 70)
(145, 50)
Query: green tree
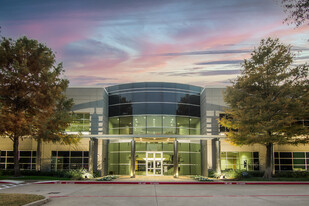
(298, 11)
(32, 99)
(268, 101)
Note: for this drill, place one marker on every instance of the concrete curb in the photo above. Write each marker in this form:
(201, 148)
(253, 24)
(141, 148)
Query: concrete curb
(175, 183)
(39, 202)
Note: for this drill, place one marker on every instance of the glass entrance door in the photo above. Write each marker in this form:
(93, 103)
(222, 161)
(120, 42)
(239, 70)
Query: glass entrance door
(154, 161)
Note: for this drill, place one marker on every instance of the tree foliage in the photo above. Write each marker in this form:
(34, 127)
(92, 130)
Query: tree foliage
(32, 99)
(269, 100)
(298, 11)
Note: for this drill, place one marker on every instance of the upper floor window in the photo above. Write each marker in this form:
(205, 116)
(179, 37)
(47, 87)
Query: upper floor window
(80, 123)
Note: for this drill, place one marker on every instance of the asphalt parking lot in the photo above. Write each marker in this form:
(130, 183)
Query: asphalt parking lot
(167, 195)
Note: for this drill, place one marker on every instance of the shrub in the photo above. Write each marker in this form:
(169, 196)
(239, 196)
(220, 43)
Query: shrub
(293, 174)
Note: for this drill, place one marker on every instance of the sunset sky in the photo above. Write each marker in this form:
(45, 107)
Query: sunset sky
(200, 42)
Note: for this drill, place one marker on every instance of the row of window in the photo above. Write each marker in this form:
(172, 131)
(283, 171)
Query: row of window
(80, 123)
(154, 96)
(240, 161)
(291, 161)
(154, 85)
(27, 160)
(67, 160)
(154, 108)
(154, 124)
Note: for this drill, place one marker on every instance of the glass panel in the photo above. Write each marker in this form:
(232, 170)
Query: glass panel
(154, 147)
(139, 97)
(183, 109)
(63, 153)
(154, 108)
(168, 97)
(113, 111)
(139, 108)
(299, 161)
(195, 147)
(140, 146)
(298, 155)
(125, 109)
(194, 99)
(169, 124)
(194, 111)
(25, 153)
(127, 130)
(126, 98)
(154, 96)
(154, 124)
(139, 124)
(285, 155)
(168, 147)
(169, 109)
(183, 147)
(113, 122)
(182, 98)
(125, 121)
(113, 99)
(286, 161)
(125, 146)
(76, 154)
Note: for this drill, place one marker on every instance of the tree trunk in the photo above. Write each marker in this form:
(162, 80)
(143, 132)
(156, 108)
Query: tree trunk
(38, 155)
(269, 161)
(16, 156)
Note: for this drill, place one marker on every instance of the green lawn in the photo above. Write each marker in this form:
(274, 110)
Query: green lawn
(18, 199)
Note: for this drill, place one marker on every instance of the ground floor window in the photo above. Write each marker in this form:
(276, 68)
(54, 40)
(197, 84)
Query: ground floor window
(240, 160)
(189, 158)
(27, 160)
(291, 161)
(119, 156)
(66, 160)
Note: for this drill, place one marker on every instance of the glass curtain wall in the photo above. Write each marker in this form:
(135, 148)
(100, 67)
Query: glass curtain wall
(119, 157)
(155, 124)
(189, 158)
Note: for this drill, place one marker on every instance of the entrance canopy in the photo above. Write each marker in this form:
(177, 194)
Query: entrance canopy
(188, 137)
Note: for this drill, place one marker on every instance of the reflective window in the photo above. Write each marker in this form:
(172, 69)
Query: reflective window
(139, 97)
(113, 111)
(169, 109)
(194, 99)
(125, 121)
(113, 99)
(125, 98)
(139, 124)
(168, 97)
(194, 111)
(139, 108)
(182, 98)
(154, 108)
(125, 109)
(183, 109)
(169, 124)
(66, 160)
(80, 123)
(153, 96)
(154, 124)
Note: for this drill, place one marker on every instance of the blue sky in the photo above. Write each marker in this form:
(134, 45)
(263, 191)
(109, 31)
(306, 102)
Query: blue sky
(199, 42)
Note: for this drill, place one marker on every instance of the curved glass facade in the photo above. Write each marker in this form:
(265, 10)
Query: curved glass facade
(154, 108)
